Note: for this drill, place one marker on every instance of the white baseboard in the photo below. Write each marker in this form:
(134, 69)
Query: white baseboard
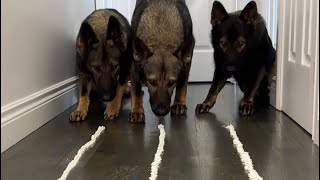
(22, 117)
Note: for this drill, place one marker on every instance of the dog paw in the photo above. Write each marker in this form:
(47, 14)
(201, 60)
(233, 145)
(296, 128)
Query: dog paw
(178, 109)
(136, 117)
(78, 115)
(112, 110)
(203, 108)
(110, 115)
(246, 108)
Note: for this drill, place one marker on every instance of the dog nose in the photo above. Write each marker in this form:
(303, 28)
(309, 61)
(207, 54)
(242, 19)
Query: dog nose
(231, 68)
(161, 110)
(107, 97)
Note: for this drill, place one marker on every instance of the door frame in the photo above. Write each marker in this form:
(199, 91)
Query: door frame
(315, 130)
(280, 65)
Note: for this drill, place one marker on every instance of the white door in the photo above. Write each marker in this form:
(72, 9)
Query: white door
(125, 7)
(202, 67)
(298, 44)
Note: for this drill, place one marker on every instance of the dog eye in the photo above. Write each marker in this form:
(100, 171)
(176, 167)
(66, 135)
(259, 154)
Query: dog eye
(223, 44)
(171, 83)
(241, 43)
(152, 82)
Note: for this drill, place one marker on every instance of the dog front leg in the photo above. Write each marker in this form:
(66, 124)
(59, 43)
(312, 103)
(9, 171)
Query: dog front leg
(246, 107)
(81, 112)
(113, 107)
(137, 111)
(179, 106)
(217, 84)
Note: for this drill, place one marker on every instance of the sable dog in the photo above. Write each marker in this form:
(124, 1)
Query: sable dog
(242, 49)
(163, 45)
(104, 57)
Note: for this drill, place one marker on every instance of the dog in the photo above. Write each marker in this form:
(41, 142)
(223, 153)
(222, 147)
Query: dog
(242, 49)
(103, 57)
(163, 45)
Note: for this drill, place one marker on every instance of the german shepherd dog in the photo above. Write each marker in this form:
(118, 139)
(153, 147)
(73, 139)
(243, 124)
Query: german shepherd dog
(242, 49)
(163, 45)
(104, 57)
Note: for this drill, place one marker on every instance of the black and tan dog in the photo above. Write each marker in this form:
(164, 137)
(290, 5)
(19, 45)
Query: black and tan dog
(104, 57)
(242, 49)
(163, 45)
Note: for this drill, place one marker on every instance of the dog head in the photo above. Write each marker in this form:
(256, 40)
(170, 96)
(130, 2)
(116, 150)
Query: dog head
(100, 57)
(231, 35)
(162, 72)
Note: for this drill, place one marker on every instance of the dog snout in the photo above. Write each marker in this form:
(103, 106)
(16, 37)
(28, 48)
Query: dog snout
(231, 68)
(161, 109)
(108, 96)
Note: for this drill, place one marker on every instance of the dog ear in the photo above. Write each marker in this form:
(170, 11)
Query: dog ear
(185, 52)
(140, 50)
(250, 13)
(86, 39)
(218, 13)
(115, 33)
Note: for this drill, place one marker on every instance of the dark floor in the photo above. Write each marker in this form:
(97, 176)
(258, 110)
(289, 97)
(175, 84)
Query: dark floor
(196, 147)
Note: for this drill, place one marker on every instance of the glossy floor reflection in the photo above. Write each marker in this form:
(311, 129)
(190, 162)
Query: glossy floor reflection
(197, 147)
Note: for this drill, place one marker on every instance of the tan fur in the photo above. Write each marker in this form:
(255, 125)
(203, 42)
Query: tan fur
(83, 103)
(99, 21)
(181, 94)
(113, 107)
(164, 52)
(161, 27)
(97, 72)
(137, 104)
(82, 109)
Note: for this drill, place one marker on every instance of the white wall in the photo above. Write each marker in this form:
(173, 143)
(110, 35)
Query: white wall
(38, 56)
(37, 44)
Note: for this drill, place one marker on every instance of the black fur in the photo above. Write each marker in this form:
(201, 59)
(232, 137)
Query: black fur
(243, 50)
(259, 52)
